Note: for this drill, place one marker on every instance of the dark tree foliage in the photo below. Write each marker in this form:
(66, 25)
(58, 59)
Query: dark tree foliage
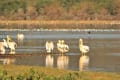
(8, 6)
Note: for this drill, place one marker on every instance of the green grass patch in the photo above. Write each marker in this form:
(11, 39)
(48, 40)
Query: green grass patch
(13, 72)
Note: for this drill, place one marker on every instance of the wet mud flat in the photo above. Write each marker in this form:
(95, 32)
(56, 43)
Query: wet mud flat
(6, 55)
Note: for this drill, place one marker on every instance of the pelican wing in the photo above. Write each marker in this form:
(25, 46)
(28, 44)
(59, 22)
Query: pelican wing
(49, 46)
(86, 48)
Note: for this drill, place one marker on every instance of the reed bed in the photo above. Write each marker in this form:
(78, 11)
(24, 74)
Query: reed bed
(57, 24)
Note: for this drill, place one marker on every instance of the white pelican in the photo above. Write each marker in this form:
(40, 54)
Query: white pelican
(2, 46)
(62, 47)
(49, 46)
(49, 60)
(83, 48)
(83, 63)
(11, 44)
(20, 37)
(62, 62)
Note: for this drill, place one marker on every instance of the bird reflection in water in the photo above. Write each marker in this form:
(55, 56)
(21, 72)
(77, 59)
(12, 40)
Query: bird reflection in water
(20, 42)
(7, 61)
(83, 63)
(2, 52)
(62, 62)
(49, 60)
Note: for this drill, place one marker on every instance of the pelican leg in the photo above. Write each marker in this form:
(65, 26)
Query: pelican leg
(84, 53)
(12, 50)
(62, 54)
(81, 53)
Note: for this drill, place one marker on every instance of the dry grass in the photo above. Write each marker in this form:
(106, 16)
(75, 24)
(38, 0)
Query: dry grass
(31, 24)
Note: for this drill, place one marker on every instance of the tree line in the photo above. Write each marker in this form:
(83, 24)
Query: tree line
(59, 10)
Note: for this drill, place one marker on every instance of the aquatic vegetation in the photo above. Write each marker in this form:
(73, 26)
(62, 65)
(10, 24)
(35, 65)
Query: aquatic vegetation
(39, 73)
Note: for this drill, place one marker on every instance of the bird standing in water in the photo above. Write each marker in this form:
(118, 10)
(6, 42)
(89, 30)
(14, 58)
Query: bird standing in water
(62, 47)
(83, 48)
(49, 46)
(11, 44)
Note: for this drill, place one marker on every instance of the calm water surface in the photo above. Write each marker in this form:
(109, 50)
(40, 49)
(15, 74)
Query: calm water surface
(104, 52)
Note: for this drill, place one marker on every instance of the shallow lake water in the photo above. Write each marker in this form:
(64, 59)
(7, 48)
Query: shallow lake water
(104, 54)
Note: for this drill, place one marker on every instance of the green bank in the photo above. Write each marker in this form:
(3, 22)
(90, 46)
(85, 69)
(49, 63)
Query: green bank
(13, 72)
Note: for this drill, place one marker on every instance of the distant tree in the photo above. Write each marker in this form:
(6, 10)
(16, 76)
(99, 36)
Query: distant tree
(11, 6)
(40, 4)
(107, 4)
(31, 13)
(67, 4)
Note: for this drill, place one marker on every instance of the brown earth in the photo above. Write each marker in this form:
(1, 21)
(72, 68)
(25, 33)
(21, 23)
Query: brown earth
(57, 24)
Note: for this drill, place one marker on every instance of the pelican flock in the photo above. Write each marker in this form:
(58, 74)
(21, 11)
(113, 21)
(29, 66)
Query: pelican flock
(62, 61)
(83, 48)
(9, 43)
(62, 47)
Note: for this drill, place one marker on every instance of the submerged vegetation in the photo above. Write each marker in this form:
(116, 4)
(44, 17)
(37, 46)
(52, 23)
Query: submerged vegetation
(59, 9)
(12, 72)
